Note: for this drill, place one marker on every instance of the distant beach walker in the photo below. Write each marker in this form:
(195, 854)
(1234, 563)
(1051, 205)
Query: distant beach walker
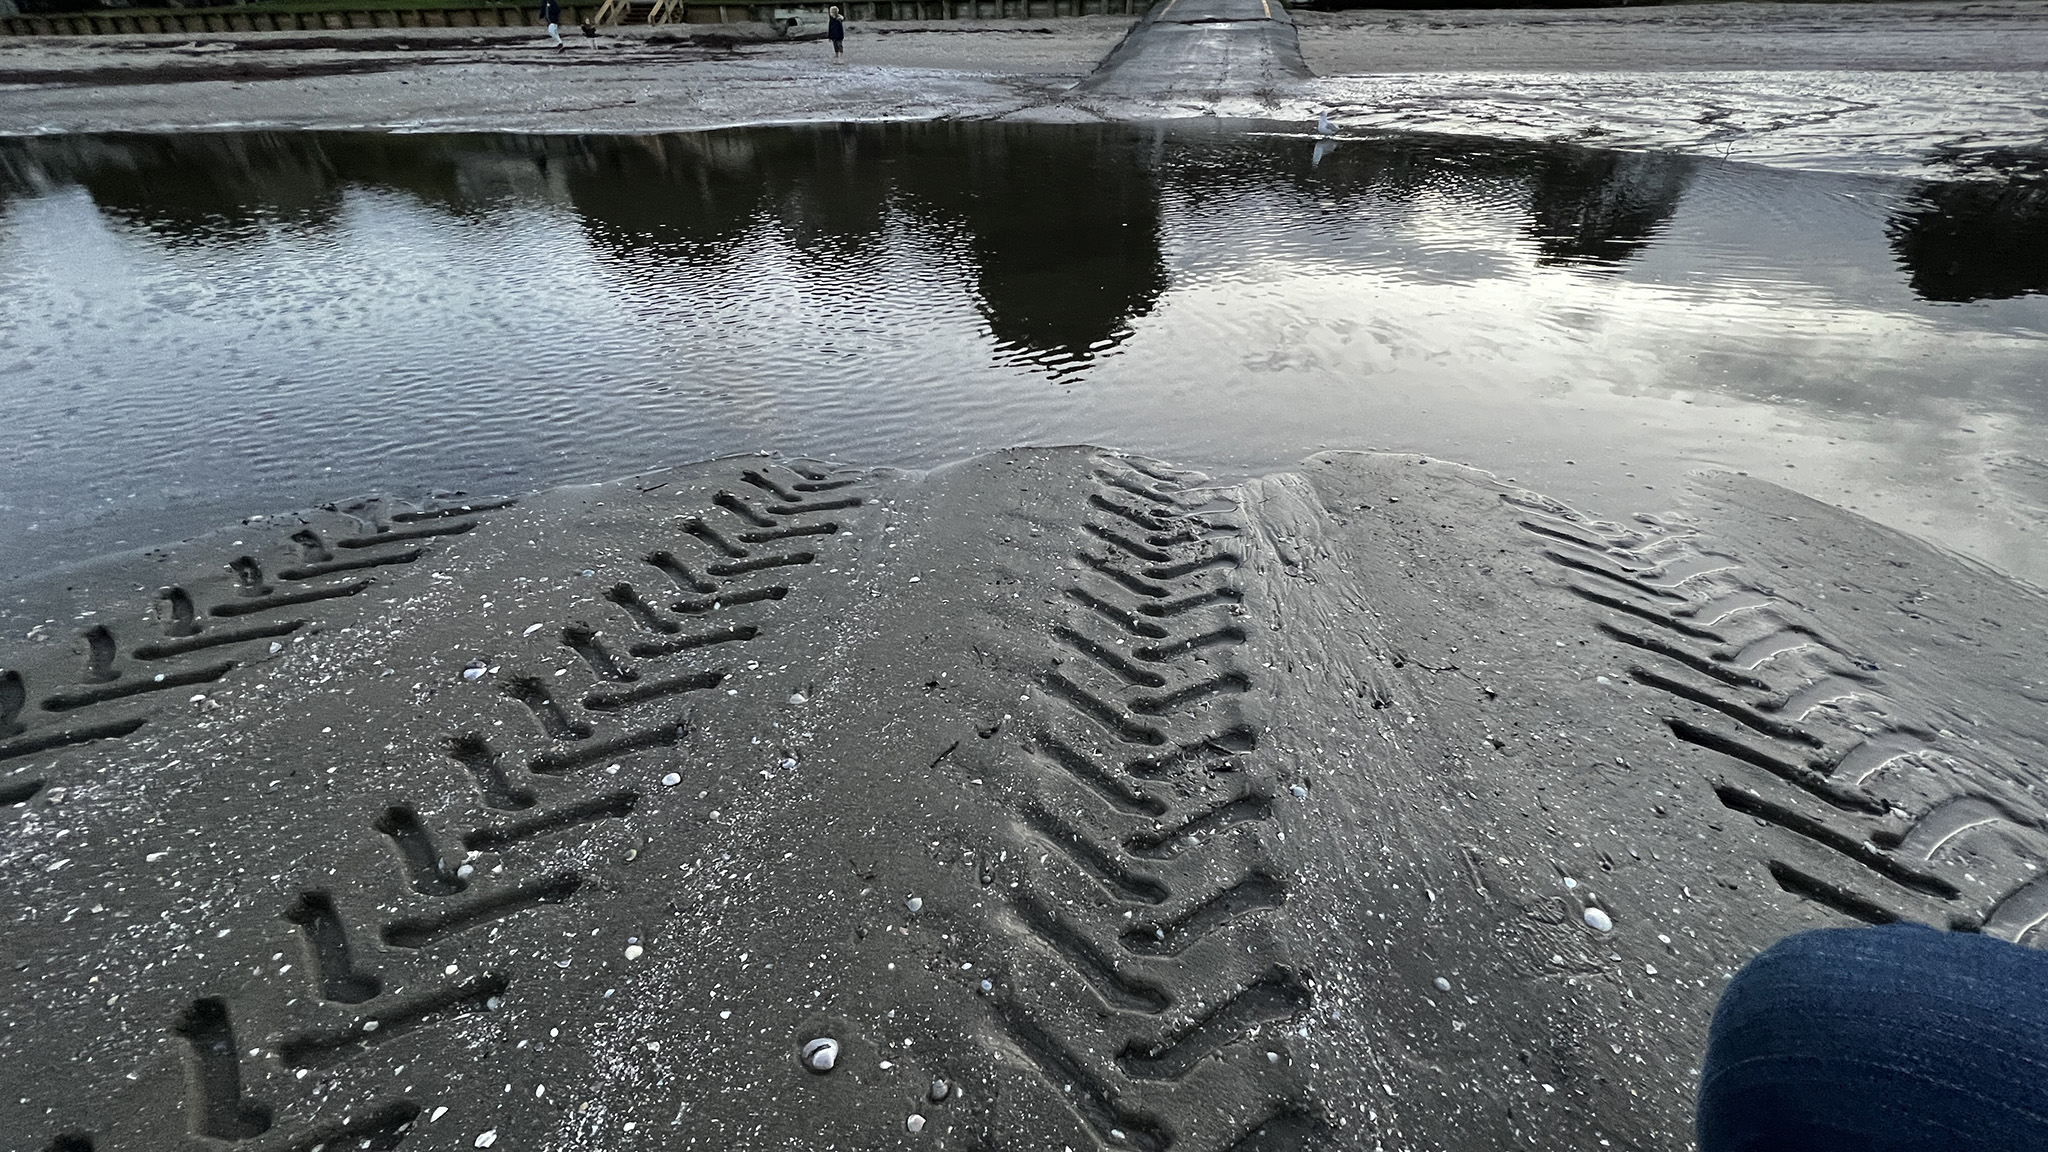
(835, 30)
(551, 15)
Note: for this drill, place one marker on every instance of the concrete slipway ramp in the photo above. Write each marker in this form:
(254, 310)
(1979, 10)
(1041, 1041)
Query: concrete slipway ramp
(1202, 52)
(1078, 800)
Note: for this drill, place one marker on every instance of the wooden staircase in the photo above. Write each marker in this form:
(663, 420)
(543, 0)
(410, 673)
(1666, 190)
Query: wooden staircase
(616, 12)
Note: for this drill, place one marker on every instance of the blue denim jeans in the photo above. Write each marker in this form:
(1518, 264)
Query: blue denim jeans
(1891, 1039)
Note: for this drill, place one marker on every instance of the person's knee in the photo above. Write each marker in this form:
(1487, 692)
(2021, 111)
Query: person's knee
(1900, 1037)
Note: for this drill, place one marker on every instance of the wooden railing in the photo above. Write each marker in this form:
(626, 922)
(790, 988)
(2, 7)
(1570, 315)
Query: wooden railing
(187, 20)
(183, 21)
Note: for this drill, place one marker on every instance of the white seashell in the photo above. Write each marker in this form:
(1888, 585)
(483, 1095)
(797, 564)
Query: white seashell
(821, 1054)
(475, 671)
(798, 698)
(1599, 921)
(939, 1091)
(672, 779)
(634, 951)
(915, 1124)
(486, 1139)
(915, 903)
(1443, 985)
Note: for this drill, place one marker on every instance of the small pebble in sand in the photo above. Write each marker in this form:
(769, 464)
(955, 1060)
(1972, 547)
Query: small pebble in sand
(939, 1091)
(475, 671)
(1443, 985)
(788, 765)
(988, 986)
(532, 628)
(799, 698)
(1599, 921)
(915, 903)
(672, 779)
(1300, 793)
(821, 1055)
(634, 951)
(914, 1125)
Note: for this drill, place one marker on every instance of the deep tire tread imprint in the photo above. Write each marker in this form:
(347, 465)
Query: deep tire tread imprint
(1814, 740)
(1141, 738)
(600, 726)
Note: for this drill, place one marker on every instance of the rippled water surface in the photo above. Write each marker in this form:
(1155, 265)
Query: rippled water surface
(194, 328)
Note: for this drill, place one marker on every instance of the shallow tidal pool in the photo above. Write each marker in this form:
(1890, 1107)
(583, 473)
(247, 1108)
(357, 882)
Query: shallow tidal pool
(199, 327)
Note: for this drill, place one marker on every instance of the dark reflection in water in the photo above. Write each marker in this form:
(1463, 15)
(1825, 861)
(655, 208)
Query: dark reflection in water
(1600, 208)
(1583, 207)
(223, 188)
(1068, 254)
(1964, 242)
(266, 320)
(1061, 227)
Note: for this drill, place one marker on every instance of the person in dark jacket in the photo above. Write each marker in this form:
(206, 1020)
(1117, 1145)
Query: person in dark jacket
(551, 15)
(835, 30)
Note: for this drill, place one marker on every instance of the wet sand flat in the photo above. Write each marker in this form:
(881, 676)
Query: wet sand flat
(1913, 37)
(1870, 87)
(1073, 798)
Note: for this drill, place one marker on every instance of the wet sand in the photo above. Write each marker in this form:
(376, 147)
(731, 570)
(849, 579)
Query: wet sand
(1077, 800)
(633, 81)
(1911, 37)
(1900, 89)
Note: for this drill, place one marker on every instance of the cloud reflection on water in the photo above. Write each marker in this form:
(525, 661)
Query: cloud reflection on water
(399, 311)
